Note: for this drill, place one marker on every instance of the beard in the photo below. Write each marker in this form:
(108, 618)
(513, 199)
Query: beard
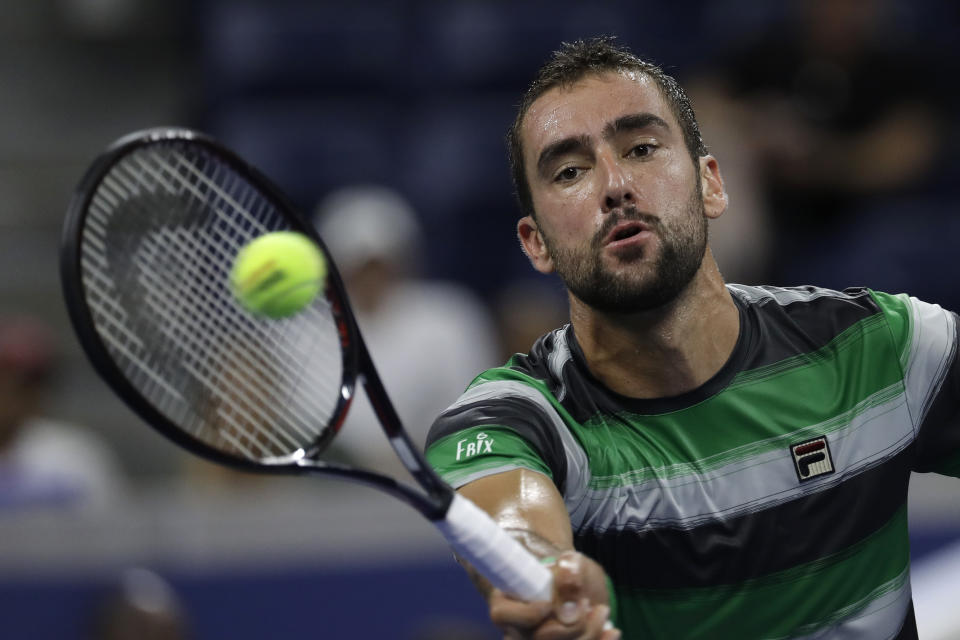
(683, 243)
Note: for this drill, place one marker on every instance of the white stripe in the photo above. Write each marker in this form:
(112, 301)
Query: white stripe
(558, 357)
(932, 350)
(786, 295)
(750, 484)
(744, 486)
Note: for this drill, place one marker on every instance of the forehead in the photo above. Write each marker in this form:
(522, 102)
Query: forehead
(586, 106)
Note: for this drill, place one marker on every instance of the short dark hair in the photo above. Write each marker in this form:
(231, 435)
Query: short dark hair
(572, 62)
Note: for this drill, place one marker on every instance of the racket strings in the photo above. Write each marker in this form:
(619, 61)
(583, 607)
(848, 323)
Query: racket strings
(203, 329)
(162, 231)
(203, 357)
(290, 329)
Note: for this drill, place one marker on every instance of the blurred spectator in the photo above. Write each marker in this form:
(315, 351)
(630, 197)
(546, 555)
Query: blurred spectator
(741, 239)
(838, 113)
(427, 339)
(44, 462)
(141, 606)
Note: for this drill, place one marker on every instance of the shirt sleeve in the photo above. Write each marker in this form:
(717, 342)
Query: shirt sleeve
(482, 435)
(926, 337)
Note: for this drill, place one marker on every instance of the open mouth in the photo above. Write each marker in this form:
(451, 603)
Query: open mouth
(625, 230)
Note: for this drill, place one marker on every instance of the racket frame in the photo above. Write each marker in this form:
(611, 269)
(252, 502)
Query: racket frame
(433, 502)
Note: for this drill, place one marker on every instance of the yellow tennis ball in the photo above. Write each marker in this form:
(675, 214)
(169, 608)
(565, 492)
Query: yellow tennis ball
(278, 274)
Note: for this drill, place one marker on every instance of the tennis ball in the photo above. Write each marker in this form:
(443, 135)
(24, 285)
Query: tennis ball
(278, 274)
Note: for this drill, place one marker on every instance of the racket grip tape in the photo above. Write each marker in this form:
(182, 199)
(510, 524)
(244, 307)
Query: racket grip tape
(497, 556)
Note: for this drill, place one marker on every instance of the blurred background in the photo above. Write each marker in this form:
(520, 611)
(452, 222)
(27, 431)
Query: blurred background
(833, 121)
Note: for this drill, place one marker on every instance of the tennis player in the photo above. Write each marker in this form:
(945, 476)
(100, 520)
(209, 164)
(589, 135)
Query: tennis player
(694, 459)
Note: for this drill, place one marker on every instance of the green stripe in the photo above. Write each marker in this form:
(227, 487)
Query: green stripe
(850, 337)
(896, 310)
(463, 454)
(789, 603)
(855, 373)
(505, 374)
(892, 396)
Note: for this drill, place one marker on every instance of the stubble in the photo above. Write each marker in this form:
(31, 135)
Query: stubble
(640, 286)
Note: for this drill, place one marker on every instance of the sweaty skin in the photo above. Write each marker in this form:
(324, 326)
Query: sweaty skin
(528, 505)
(656, 353)
(605, 147)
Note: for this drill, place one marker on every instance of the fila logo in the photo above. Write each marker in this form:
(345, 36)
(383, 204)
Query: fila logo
(812, 458)
(481, 444)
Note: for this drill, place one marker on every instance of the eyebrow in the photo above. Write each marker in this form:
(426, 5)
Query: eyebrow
(561, 148)
(631, 122)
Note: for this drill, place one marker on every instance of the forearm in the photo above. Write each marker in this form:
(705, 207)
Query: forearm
(538, 545)
(528, 507)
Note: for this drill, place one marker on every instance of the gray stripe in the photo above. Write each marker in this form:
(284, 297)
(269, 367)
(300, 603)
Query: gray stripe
(559, 357)
(882, 619)
(577, 467)
(750, 484)
(932, 350)
(785, 296)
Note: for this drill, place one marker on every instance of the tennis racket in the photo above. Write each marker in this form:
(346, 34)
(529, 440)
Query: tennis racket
(150, 237)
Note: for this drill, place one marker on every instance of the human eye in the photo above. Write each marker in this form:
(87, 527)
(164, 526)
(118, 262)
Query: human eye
(642, 150)
(567, 174)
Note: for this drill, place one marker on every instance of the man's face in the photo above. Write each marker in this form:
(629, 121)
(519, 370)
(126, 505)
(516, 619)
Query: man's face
(619, 204)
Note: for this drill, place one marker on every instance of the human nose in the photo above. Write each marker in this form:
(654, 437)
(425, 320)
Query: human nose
(617, 188)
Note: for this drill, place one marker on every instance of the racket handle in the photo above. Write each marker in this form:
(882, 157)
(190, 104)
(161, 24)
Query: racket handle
(499, 558)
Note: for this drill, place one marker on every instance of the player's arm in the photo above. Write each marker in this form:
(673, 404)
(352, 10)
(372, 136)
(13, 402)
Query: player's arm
(527, 505)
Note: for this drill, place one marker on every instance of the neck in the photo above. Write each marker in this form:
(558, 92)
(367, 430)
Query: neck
(665, 351)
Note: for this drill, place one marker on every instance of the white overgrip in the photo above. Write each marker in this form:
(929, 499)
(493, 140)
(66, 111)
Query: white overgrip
(499, 558)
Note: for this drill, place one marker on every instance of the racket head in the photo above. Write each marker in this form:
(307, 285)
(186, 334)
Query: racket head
(149, 238)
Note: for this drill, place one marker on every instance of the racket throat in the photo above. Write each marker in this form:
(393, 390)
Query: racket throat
(406, 454)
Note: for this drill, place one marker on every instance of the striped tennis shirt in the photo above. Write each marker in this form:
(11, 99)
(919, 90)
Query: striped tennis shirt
(769, 502)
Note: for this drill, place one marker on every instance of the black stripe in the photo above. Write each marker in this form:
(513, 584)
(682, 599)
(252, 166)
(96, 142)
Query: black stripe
(770, 332)
(587, 396)
(757, 544)
(518, 414)
(787, 330)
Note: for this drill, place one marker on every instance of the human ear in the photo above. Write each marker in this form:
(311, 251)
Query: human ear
(534, 245)
(712, 188)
